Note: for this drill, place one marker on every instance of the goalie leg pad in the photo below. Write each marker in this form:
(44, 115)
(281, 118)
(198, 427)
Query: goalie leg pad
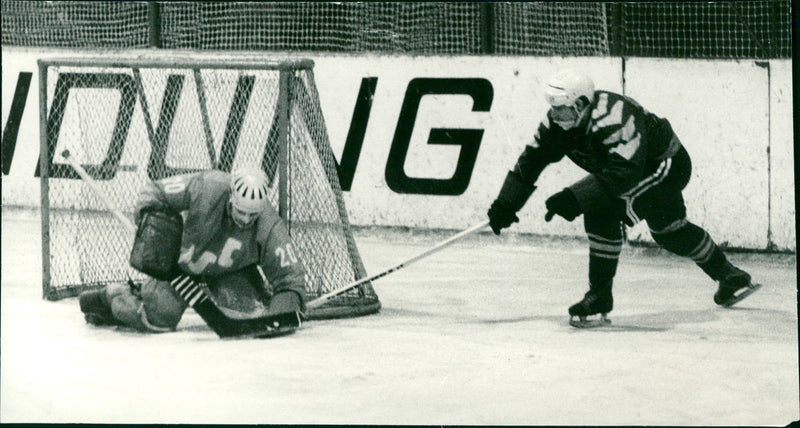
(157, 245)
(158, 308)
(96, 308)
(162, 304)
(125, 305)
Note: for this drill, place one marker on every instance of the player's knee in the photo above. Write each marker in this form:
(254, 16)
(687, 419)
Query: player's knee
(679, 237)
(161, 304)
(161, 319)
(606, 224)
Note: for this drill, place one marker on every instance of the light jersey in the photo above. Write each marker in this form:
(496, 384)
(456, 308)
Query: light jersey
(212, 244)
(620, 144)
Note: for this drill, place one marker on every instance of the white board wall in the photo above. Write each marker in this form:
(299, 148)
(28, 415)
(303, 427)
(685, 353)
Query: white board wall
(727, 114)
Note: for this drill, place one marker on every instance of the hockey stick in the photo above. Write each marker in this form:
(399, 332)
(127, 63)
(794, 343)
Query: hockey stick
(193, 294)
(319, 301)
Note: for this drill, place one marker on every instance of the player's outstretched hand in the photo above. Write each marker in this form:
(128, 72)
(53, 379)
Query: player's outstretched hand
(563, 203)
(501, 216)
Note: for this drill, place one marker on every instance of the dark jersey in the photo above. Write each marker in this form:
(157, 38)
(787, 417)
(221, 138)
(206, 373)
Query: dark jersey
(620, 144)
(212, 243)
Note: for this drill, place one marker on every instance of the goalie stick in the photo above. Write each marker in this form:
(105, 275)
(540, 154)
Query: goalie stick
(319, 301)
(222, 324)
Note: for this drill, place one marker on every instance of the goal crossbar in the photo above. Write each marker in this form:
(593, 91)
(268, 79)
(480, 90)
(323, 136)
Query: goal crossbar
(211, 64)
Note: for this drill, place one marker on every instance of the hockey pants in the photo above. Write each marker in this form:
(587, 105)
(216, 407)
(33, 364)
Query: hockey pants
(658, 200)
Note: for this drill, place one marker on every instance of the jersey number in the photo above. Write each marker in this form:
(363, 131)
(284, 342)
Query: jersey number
(286, 254)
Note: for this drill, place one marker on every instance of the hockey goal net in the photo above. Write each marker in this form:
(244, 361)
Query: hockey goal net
(129, 121)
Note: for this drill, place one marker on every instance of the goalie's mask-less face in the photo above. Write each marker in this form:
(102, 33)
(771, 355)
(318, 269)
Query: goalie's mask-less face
(569, 94)
(242, 218)
(248, 196)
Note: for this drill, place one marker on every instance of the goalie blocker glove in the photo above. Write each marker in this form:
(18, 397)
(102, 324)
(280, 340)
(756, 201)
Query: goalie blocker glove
(285, 302)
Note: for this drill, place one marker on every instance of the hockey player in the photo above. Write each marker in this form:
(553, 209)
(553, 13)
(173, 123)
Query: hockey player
(230, 232)
(637, 170)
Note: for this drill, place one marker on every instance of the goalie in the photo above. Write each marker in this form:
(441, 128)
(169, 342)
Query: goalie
(209, 228)
(638, 169)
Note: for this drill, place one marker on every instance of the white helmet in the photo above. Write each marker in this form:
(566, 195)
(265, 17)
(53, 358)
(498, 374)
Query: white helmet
(566, 86)
(249, 190)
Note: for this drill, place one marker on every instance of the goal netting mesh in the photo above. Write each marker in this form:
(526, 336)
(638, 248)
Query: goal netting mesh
(129, 122)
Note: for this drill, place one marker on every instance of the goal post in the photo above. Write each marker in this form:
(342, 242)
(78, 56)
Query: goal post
(127, 121)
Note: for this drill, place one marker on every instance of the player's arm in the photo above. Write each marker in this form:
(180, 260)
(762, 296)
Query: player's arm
(171, 194)
(520, 182)
(281, 264)
(541, 151)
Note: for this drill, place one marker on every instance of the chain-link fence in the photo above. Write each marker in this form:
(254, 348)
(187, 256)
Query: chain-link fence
(731, 29)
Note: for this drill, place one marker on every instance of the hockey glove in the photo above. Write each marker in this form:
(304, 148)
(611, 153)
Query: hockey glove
(501, 216)
(285, 302)
(564, 204)
(286, 310)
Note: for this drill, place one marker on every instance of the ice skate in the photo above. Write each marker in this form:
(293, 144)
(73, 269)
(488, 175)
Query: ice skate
(95, 309)
(593, 303)
(734, 287)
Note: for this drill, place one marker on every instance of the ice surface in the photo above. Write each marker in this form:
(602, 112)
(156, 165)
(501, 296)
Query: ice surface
(475, 334)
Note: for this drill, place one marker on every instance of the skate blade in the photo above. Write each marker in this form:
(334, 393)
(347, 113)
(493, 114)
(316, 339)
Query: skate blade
(583, 322)
(742, 295)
